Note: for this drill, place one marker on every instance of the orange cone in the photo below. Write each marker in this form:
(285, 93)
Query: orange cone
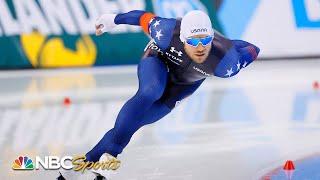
(289, 166)
(316, 85)
(67, 101)
(289, 169)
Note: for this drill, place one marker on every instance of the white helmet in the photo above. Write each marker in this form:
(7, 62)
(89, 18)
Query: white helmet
(194, 23)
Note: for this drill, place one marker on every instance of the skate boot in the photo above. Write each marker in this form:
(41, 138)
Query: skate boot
(72, 174)
(108, 163)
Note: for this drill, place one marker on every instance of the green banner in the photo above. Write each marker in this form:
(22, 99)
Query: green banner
(60, 33)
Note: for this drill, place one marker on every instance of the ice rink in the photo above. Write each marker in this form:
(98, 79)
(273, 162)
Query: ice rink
(238, 128)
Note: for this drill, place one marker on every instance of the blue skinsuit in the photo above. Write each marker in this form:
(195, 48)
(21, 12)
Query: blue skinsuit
(166, 76)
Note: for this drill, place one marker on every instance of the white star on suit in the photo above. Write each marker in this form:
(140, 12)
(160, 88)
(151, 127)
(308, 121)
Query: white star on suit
(229, 72)
(158, 35)
(156, 23)
(245, 64)
(238, 66)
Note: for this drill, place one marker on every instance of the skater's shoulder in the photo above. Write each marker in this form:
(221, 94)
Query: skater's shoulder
(162, 30)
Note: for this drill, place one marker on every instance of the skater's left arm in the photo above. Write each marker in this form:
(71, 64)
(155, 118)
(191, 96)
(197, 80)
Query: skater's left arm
(158, 28)
(239, 56)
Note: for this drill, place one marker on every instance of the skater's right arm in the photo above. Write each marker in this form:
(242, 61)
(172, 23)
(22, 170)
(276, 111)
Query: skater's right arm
(159, 29)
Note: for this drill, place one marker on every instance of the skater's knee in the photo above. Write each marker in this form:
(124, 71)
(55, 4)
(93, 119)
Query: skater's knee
(150, 93)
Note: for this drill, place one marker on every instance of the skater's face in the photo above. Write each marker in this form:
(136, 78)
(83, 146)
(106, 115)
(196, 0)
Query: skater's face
(200, 52)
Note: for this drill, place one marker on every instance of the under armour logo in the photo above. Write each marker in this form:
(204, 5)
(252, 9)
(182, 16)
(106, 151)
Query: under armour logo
(173, 50)
(177, 103)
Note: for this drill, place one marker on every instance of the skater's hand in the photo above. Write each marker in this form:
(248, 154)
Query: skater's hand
(105, 23)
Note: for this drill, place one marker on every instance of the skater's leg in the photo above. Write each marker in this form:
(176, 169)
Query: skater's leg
(152, 74)
(161, 107)
(157, 111)
(171, 96)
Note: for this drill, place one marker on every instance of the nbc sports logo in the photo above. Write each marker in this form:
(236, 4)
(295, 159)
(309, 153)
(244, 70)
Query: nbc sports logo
(47, 163)
(78, 163)
(22, 163)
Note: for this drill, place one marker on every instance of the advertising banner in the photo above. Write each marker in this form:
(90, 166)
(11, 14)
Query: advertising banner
(60, 33)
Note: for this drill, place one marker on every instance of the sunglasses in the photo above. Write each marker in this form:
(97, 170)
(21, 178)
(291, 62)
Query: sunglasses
(196, 41)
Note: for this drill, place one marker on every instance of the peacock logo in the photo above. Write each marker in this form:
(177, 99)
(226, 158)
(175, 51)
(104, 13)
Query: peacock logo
(23, 163)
